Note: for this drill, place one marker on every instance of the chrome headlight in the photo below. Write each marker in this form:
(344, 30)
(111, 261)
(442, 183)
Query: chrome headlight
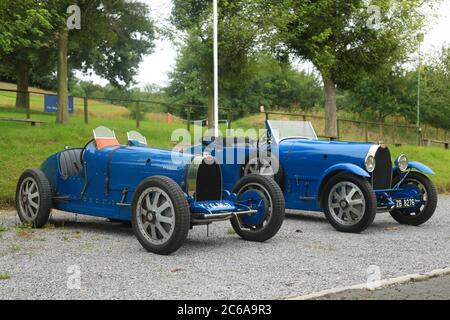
(402, 163)
(370, 163)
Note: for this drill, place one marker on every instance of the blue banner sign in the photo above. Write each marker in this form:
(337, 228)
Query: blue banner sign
(51, 103)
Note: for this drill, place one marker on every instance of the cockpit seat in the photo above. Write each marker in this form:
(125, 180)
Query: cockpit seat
(70, 162)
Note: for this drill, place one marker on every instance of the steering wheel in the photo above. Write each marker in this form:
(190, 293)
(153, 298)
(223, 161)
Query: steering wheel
(83, 150)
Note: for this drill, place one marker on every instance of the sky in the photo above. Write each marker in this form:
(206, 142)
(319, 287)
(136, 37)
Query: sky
(155, 68)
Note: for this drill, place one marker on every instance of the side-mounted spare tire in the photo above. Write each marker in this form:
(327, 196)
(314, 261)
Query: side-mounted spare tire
(263, 194)
(34, 198)
(160, 215)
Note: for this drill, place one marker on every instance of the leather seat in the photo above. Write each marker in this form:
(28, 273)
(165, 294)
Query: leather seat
(70, 163)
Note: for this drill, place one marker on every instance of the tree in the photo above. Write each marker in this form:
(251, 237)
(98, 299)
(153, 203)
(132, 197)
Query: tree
(238, 25)
(435, 96)
(25, 27)
(345, 39)
(114, 36)
(268, 82)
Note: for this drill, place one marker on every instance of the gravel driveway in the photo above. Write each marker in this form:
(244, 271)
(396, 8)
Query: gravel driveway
(306, 256)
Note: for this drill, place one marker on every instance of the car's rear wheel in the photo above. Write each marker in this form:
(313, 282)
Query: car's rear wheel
(160, 215)
(34, 198)
(428, 198)
(349, 203)
(264, 195)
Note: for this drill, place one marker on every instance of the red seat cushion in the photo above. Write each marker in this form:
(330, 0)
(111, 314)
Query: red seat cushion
(106, 142)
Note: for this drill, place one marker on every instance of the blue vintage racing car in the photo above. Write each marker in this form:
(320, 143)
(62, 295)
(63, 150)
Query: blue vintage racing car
(163, 193)
(349, 182)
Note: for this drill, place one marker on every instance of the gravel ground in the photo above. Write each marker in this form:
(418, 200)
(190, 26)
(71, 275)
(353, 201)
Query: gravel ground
(433, 289)
(306, 256)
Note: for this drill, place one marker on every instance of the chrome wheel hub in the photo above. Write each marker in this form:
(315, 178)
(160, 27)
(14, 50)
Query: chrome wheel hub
(29, 199)
(156, 215)
(346, 203)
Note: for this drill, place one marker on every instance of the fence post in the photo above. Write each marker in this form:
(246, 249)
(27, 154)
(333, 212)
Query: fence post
(86, 116)
(138, 114)
(394, 134)
(338, 129)
(381, 132)
(230, 119)
(27, 104)
(419, 136)
(366, 131)
(189, 119)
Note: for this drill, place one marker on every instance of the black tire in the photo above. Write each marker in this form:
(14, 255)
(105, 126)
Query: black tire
(426, 211)
(275, 165)
(180, 213)
(366, 193)
(28, 212)
(275, 200)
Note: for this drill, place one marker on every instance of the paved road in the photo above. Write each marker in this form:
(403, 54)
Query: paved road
(433, 289)
(306, 256)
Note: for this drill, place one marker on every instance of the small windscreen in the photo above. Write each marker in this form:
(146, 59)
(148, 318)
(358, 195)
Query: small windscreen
(104, 133)
(292, 129)
(136, 136)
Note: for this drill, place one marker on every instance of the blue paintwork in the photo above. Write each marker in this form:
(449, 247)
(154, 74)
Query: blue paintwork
(420, 167)
(307, 165)
(129, 166)
(254, 200)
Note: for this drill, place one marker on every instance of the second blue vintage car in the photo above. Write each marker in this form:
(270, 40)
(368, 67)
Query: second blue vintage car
(349, 182)
(163, 193)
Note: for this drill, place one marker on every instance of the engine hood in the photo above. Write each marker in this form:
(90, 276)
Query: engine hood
(318, 155)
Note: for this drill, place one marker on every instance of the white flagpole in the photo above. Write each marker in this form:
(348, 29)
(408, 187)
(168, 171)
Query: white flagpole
(216, 68)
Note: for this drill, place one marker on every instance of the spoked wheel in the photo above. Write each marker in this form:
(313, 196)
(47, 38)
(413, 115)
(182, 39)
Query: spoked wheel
(261, 166)
(349, 203)
(264, 165)
(264, 195)
(33, 198)
(428, 200)
(160, 215)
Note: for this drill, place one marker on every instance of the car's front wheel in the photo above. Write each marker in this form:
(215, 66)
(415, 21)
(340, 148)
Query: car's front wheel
(428, 200)
(160, 215)
(265, 196)
(349, 203)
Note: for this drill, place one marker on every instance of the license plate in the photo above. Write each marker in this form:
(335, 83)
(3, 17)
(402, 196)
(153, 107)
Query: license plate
(405, 203)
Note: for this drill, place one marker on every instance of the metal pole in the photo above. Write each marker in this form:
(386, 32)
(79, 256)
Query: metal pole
(86, 117)
(189, 119)
(420, 38)
(216, 68)
(138, 114)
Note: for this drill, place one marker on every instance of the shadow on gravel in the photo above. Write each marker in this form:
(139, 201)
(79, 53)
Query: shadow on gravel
(106, 227)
